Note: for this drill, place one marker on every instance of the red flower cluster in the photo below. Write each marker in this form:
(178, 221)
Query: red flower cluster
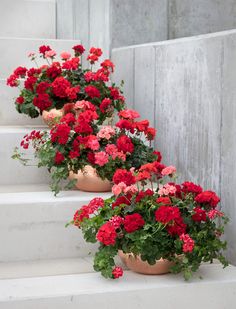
(92, 91)
(107, 234)
(59, 158)
(208, 197)
(94, 55)
(59, 87)
(190, 187)
(60, 133)
(125, 144)
(42, 101)
(133, 222)
(166, 214)
(117, 272)
(188, 245)
(125, 176)
(199, 214)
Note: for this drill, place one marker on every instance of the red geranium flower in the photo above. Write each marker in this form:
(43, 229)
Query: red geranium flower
(190, 187)
(133, 222)
(125, 144)
(125, 176)
(92, 91)
(164, 201)
(59, 158)
(117, 272)
(79, 49)
(165, 214)
(59, 86)
(107, 234)
(60, 133)
(129, 114)
(42, 101)
(207, 197)
(199, 214)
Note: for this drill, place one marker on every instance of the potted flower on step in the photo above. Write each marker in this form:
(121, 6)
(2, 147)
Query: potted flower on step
(166, 227)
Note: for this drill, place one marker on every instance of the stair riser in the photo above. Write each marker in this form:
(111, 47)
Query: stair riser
(37, 231)
(28, 19)
(217, 295)
(10, 59)
(12, 171)
(8, 114)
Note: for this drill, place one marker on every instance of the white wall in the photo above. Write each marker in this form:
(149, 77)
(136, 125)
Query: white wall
(186, 87)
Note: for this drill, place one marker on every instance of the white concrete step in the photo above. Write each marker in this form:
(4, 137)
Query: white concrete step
(42, 268)
(29, 19)
(32, 225)
(8, 114)
(89, 290)
(12, 171)
(14, 52)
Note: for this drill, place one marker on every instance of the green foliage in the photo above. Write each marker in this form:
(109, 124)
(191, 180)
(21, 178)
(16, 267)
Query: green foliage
(153, 242)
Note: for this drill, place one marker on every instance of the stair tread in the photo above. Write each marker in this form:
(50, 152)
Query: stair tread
(93, 283)
(46, 196)
(51, 267)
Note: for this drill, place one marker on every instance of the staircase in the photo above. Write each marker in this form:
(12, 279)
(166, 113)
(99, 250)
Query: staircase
(42, 264)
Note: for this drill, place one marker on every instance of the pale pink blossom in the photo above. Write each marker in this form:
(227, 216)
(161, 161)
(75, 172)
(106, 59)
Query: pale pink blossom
(82, 104)
(101, 158)
(106, 132)
(213, 213)
(119, 188)
(65, 55)
(111, 148)
(169, 170)
(166, 189)
(131, 189)
(50, 53)
(118, 154)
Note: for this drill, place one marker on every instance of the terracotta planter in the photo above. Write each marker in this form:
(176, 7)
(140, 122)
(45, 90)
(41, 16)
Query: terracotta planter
(88, 180)
(135, 264)
(52, 116)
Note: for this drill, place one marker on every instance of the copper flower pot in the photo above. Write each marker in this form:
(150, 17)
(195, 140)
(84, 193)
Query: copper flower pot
(88, 180)
(51, 117)
(135, 264)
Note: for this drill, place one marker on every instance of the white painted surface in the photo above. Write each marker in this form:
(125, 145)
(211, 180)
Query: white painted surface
(32, 225)
(28, 19)
(10, 59)
(8, 114)
(215, 291)
(42, 268)
(12, 171)
(194, 91)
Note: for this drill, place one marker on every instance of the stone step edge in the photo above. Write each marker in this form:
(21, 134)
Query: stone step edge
(47, 267)
(87, 287)
(23, 198)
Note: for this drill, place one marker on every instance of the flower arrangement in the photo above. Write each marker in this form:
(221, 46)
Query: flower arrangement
(179, 223)
(77, 141)
(58, 84)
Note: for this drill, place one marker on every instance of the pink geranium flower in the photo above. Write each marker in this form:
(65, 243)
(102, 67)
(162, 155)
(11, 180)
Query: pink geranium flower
(169, 170)
(101, 158)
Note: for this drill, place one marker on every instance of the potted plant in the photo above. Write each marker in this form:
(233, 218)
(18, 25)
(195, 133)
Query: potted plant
(45, 90)
(166, 227)
(77, 144)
